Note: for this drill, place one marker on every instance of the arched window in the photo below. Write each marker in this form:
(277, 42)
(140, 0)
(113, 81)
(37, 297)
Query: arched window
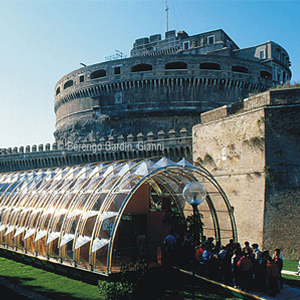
(68, 84)
(240, 69)
(57, 91)
(177, 65)
(141, 68)
(266, 74)
(210, 66)
(98, 74)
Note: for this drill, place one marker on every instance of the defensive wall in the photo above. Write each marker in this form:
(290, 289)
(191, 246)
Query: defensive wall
(252, 149)
(173, 145)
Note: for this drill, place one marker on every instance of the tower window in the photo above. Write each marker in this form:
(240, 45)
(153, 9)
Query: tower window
(98, 74)
(266, 75)
(240, 69)
(176, 65)
(141, 67)
(186, 45)
(278, 54)
(68, 84)
(117, 70)
(210, 40)
(81, 78)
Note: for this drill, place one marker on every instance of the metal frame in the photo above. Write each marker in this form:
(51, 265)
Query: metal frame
(110, 186)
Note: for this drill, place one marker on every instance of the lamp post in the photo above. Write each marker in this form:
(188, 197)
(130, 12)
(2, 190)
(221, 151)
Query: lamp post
(194, 193)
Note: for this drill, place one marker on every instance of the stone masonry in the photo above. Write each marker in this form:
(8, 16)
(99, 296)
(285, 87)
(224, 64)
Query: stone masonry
(252, 149)
(174, 145)
(164, 85)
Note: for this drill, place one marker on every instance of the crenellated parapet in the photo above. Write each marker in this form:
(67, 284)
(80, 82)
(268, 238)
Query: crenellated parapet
(274, 97)
(173, 144)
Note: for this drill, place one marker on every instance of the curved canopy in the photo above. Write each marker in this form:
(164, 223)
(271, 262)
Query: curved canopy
(78, 215)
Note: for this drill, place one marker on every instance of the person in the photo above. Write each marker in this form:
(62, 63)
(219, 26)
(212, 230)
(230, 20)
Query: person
(169, 244)
(279, 262)
(261, 272)
(247, 248)
(207, 256)
(225, 266)
(187, 252)
(230, 246)
(257, 261)
(273, 275)
(256, 251)
(237, 254)
(245, 270)
(199, 258)
(209, 242)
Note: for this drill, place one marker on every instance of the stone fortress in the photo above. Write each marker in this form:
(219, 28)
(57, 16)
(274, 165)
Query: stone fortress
(197, 96)
(164, 85)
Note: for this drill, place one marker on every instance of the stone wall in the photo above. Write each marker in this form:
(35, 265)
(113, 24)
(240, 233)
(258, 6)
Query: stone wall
(173, 145)
(253, 152)
(282, 224)
(233, 150)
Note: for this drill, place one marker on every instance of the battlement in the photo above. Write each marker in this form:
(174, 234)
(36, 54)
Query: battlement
(181, 41)
(283, 96)
(173, 144)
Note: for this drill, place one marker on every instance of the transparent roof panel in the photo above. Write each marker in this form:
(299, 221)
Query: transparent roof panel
(164, 162)
(144, 168)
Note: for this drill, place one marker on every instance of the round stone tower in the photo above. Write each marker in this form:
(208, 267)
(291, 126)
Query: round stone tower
(164, 85)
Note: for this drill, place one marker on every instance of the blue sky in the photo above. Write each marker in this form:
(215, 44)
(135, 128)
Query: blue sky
(42, 40)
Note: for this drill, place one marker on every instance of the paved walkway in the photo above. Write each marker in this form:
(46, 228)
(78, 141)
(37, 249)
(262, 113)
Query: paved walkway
(289, 273)
(287, 293)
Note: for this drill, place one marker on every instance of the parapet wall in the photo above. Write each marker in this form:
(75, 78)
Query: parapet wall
(285, 96)
(174, 145)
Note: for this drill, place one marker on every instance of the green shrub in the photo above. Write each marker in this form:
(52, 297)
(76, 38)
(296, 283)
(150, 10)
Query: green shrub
(116, 290)
(132, 277)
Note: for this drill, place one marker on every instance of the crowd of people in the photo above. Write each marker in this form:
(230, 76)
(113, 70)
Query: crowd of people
(244, 267)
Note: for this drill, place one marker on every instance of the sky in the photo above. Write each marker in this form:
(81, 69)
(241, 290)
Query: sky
(43, 40)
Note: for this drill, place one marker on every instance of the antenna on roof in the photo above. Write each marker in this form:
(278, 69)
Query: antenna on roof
(118, 55)
(167, 21)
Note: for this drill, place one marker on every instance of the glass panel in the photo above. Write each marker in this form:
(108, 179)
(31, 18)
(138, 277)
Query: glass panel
(185, 163)
(69, 213)
(99, 243)
(53, 236)
(66, 238)
(19, 231)
(164, 162)
(82, 240)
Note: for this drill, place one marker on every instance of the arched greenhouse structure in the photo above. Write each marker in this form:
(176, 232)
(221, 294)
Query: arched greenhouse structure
(85, 216)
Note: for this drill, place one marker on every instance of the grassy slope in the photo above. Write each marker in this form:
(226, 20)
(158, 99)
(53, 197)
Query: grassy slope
(293, 280)
(60, 287)
(46, 283)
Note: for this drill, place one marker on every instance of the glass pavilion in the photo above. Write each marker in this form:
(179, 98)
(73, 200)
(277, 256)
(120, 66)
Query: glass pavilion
(86, 216)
